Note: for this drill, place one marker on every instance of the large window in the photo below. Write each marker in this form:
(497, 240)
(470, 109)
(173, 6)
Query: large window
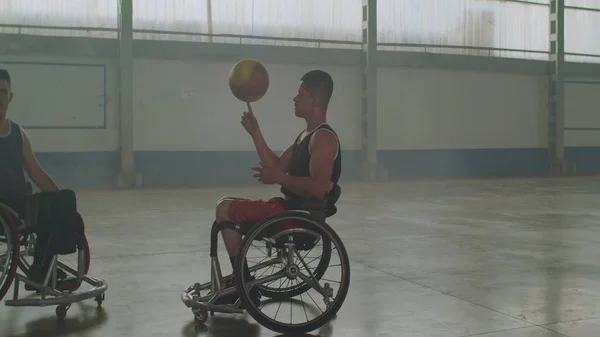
(476, 27)
(184, 16)
(338, 20)
(469, 23)
(581, 30)
(520, 28)
(65, 14)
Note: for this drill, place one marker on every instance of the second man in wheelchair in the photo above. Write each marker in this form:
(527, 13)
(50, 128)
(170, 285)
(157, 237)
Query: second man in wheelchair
(18, 158)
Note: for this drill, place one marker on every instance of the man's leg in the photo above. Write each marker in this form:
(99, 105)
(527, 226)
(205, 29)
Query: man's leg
(43, 253)
(240, 211)
(231, 238)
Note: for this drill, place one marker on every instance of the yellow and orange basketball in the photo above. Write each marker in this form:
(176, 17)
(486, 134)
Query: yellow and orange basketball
(248, 80)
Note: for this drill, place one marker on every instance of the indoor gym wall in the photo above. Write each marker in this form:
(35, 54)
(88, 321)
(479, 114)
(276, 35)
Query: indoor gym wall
(442, 112)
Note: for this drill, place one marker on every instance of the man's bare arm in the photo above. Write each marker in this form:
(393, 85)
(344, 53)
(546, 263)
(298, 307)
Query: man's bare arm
(265, 153)
(269, 157)
(33, 168)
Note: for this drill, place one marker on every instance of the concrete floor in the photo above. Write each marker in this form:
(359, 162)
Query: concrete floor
(501, 258)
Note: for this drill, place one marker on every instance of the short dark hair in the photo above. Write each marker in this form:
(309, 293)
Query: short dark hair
(4, 75)
(319, 83)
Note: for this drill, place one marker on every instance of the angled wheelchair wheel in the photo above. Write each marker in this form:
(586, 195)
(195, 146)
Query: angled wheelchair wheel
(300, 298)
(9, 249)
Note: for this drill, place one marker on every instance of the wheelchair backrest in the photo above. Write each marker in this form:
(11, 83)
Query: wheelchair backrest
(334, 194)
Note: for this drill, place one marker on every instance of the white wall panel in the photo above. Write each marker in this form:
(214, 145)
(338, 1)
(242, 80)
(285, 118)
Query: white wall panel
(443, 109)
(188, 106)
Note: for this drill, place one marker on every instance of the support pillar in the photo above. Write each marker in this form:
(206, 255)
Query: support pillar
(127, 176)
(369, 91)
(209, 20)
(556, 90)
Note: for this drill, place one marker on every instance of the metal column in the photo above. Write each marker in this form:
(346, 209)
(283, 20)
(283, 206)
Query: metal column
(369, 90)
(127, 175)
(556, 90)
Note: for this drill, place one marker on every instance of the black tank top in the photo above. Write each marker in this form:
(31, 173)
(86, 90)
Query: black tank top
(300, 167)
(12, 178)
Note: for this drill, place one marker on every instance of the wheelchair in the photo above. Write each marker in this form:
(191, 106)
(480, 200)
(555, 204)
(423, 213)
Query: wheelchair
(17, 233)
(286, 239)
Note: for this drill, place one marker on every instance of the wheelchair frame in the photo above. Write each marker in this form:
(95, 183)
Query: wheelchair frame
(202, 305)
(48, 293)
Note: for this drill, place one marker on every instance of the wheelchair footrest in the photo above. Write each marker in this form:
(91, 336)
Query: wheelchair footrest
(221, 308)
(51, 297)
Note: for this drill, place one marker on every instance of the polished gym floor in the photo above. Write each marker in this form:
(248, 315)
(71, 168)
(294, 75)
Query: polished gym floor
(503, 258)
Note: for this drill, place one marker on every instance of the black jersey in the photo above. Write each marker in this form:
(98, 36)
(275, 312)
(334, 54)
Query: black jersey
(12, 177)
(300, 167)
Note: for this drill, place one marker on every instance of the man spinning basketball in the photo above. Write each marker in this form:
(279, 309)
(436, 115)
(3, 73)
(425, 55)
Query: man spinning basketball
(17, 156)
(306, 170)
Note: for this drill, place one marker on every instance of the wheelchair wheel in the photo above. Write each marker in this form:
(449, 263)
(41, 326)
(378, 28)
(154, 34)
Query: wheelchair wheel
(329, 293)
(291, 291)
(9, 250)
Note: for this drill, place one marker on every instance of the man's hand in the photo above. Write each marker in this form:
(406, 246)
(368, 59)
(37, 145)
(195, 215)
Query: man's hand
(249, 122)
(267, 174)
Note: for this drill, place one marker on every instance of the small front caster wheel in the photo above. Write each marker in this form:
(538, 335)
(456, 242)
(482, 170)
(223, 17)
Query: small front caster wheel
(61, 311)
(99, 299)
(200, 316)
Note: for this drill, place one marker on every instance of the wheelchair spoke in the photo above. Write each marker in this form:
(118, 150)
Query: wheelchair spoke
(303, 307)
(257, 264)
(312, 282)
(304, 263)
(279, 307)
(260, 250)
(308, 252)
(271, 267)
(324, 279)
(315, 302)
(311, 261)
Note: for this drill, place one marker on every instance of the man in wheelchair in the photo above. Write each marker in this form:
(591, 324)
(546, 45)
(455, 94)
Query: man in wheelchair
(17, 156)
(308, 170)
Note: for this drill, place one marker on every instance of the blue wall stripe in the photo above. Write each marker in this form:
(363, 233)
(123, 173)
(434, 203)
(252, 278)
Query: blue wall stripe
(195, 168)
(587, 159)
(210, 168)
(81, 169)
(468, 163)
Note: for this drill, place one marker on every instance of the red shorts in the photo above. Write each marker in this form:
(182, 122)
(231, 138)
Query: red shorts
(246, 212)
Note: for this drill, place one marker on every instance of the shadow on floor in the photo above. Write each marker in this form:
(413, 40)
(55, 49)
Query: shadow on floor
(221, 327)
(90, 318)
(232, 327)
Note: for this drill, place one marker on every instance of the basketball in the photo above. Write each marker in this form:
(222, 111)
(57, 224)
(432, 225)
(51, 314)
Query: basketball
(248, 80)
